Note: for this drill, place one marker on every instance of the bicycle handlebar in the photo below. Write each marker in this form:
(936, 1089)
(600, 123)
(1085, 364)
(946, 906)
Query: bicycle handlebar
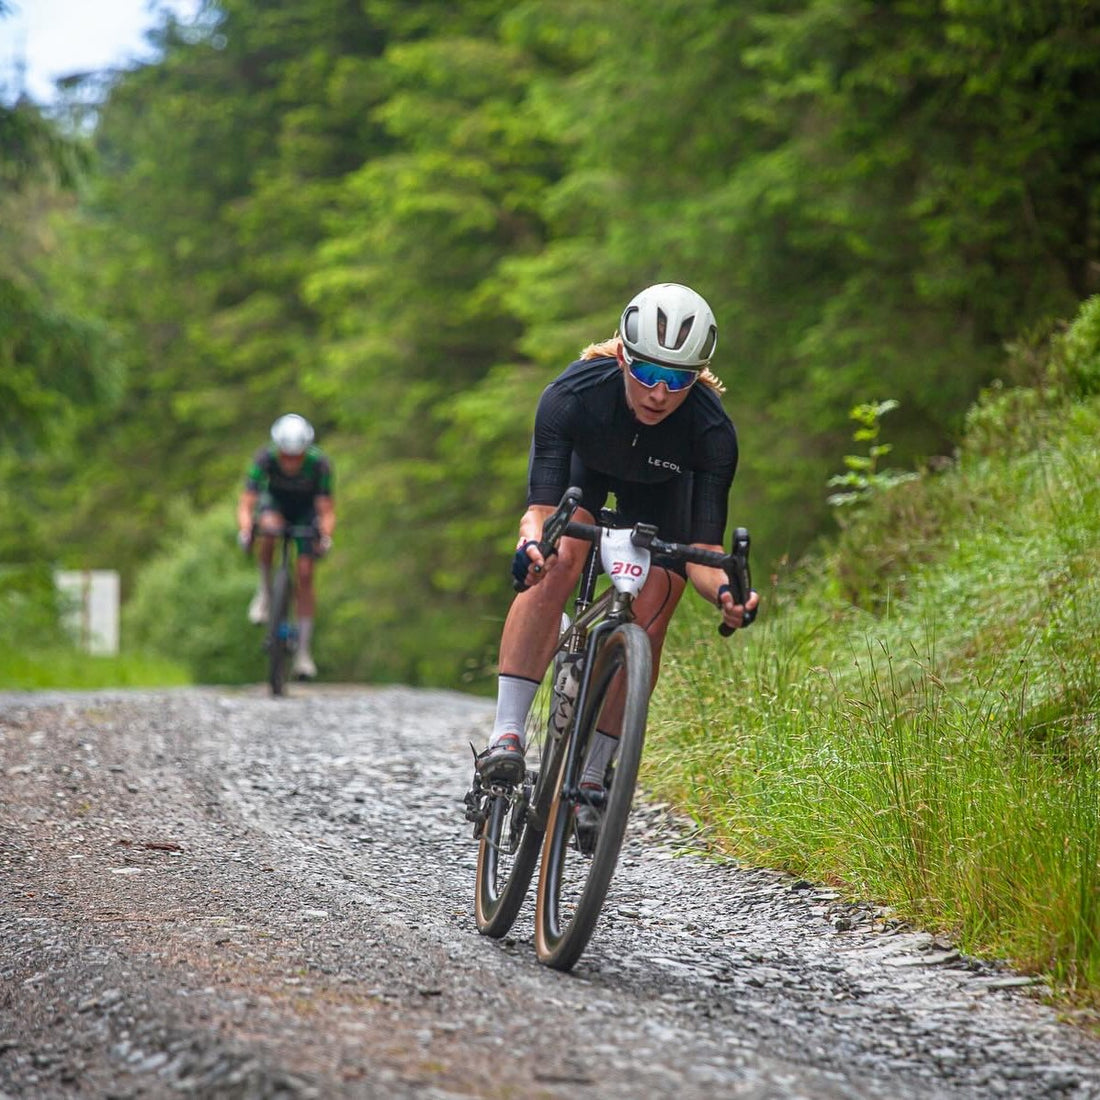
(305, 531)
(735, 564)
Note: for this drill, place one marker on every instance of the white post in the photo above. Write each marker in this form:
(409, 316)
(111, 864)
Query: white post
(93, 619)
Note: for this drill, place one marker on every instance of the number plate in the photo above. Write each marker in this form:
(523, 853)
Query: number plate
(626, 564)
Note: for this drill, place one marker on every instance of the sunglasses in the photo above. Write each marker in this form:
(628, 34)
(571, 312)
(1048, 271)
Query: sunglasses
(651, 374)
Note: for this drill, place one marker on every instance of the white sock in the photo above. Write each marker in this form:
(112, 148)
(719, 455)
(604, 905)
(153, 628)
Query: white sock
(305, 635)
(600, 753)
(515, 694)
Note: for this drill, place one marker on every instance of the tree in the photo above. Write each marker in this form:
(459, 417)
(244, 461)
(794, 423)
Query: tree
(51, 361)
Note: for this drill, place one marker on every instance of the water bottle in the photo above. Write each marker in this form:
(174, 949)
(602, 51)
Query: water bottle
(566, 685)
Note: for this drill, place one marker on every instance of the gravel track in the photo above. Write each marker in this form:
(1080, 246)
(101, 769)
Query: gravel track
(214, 893)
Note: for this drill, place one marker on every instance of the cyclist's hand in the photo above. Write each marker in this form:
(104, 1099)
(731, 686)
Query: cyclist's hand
(528, 565)
(244, 541)
(733, 614)
(324, 545)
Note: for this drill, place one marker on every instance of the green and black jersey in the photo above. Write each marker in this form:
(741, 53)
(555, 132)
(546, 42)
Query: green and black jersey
(292, 494)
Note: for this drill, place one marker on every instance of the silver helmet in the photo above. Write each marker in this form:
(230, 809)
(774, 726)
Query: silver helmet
(670, 324)
(292, 434)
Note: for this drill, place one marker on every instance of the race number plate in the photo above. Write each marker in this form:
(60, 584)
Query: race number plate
(626, 564)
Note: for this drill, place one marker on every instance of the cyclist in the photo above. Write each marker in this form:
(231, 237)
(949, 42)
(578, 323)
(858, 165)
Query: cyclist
(638, 415)
(289, 482)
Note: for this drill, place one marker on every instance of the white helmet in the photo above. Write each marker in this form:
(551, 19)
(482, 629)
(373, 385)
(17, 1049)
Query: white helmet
(670, 324)
(292, 434)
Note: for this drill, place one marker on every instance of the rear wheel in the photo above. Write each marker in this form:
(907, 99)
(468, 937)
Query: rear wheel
(574, 877)
(278, 638)
(516, 819)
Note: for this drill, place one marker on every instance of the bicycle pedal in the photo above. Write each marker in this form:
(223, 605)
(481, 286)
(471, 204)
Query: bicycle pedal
(475, 812)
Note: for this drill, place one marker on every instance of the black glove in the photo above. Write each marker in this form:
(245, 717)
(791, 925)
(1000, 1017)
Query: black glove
(521, 563)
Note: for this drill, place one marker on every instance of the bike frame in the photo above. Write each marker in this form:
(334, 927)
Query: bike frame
(594, 620)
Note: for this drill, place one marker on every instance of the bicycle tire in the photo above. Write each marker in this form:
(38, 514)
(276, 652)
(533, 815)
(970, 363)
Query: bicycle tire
(573, 886)
(278, 649)
(510, 840)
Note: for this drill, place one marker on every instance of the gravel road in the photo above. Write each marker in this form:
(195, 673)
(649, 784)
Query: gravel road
(213, 893)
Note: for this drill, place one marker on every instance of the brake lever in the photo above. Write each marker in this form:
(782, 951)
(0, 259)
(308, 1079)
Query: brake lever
(740, 578)
(553, 529)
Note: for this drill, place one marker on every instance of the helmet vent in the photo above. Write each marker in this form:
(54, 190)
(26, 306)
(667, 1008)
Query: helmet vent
(708, 348)
(681, 336)
(630, 325)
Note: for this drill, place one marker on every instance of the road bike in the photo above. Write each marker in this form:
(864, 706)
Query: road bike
(602, 659)
(281, 639)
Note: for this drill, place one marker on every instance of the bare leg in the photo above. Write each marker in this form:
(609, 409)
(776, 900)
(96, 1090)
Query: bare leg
(530, 633)
(306, 599)
(531, 628)
(269, 525)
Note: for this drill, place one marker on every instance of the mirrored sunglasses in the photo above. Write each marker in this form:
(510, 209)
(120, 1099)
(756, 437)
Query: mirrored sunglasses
(650, 374)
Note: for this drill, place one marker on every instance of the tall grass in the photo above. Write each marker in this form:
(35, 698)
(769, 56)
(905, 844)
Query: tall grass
(937, 752)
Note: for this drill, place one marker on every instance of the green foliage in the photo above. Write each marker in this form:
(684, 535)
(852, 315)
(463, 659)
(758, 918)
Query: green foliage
(939, 756)
(1061, 364)
(190, 601)
(1075, 367)
(64, 668)
(864, 479)
(52, 362)
(403, 219)
(34, 151)
(30, 609)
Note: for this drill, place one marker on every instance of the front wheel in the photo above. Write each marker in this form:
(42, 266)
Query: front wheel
(278, 638)
(506, 860)
(574, 876)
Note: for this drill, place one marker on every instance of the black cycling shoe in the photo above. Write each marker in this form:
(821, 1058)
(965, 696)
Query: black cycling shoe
(503, 762)
(588, 817)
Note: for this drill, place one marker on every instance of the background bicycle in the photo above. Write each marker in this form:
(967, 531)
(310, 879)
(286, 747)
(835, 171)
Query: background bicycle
(601, 667)
(281, 637)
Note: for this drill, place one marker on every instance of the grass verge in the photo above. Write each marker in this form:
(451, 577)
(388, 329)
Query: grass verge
(937, 752)
(67, 669)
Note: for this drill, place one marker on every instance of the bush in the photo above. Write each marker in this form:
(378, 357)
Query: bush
(30, 608)
(189, 604)
(1075, 363)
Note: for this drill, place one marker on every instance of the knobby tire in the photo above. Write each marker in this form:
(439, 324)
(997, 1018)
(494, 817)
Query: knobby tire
(572, 886)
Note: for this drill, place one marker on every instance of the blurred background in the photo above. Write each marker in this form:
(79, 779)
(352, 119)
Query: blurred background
(402, 219)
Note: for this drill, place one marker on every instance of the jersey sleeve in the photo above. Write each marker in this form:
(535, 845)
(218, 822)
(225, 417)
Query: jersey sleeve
(552, 445)
(325, 477)
(715, 465)
(255, 480)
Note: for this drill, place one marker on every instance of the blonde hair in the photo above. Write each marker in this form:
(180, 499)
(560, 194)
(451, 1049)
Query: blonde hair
(610, 349)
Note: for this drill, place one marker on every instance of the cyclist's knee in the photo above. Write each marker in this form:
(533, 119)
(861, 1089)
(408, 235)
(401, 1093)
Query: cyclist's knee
(571, 557)
(270, 523)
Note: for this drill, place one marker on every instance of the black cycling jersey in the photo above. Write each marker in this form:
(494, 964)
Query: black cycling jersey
(678, 471)
(292, 494)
